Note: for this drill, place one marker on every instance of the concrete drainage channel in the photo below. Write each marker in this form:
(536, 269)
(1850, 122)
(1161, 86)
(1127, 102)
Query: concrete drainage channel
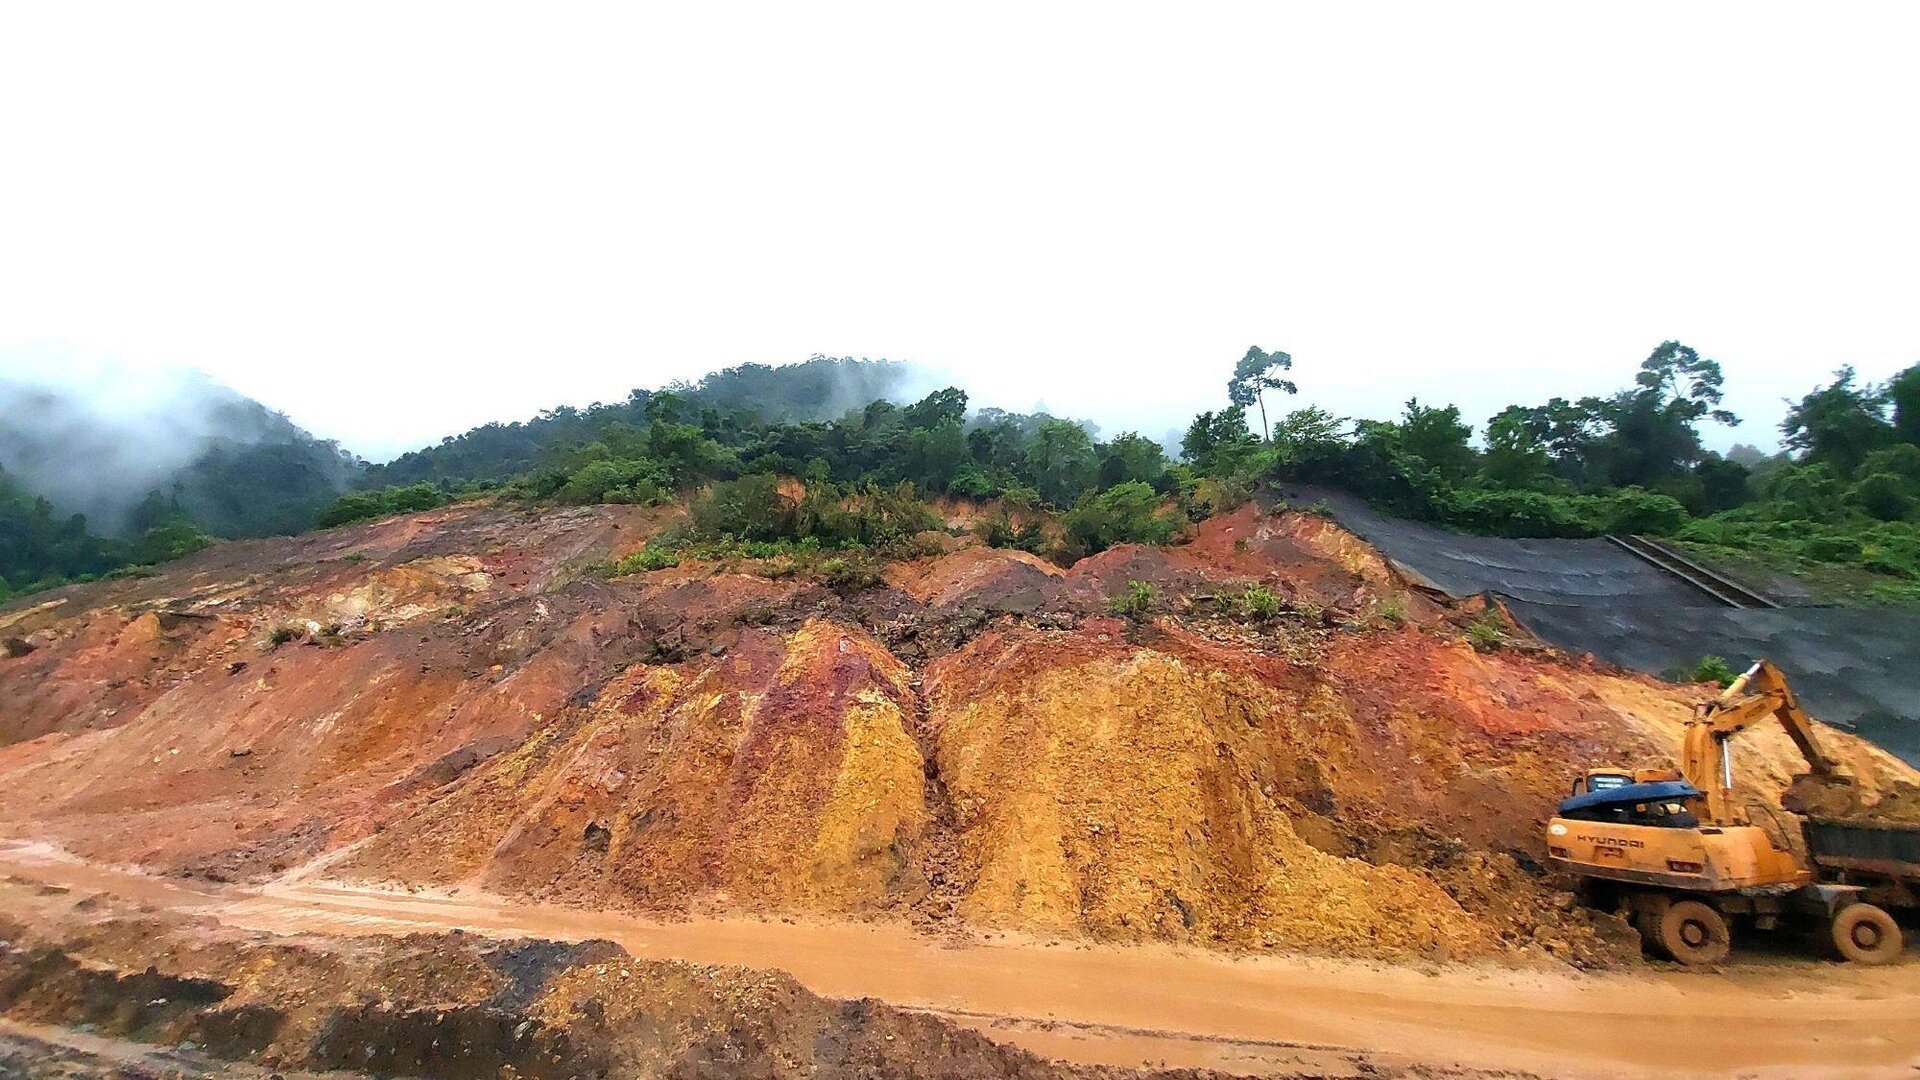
(1641, 604)
(1716, 585)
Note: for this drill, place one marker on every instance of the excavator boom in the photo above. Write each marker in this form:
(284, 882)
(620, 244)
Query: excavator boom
(1759, 694)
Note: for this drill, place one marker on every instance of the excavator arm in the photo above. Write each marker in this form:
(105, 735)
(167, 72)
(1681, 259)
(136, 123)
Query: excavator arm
(1706, 758)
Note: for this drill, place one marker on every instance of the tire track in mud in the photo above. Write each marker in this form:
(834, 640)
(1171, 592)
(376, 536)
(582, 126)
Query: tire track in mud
(1123, 1005)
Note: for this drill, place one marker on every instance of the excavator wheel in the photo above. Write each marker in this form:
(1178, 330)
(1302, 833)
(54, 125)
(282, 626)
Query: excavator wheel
(1865, 934)
(1694, 933)
(1648, 924)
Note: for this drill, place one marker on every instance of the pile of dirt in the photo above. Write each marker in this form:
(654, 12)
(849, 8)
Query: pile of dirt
(453, 1005)
(975, 741)
(996, 578)
(1840, 798)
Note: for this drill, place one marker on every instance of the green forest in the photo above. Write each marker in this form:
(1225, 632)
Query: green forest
(1841, 503)
(41, 549)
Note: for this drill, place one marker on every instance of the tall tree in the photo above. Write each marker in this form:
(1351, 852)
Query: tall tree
(1516, 447)
(947, 406)
(1904, 391)
(935, 455)
(1685, 381)
(1839, 424)
(1060, 459)
(1132, 457)
(1437, 437)
(1253, 376)
(1655, 434)
(1218, 443)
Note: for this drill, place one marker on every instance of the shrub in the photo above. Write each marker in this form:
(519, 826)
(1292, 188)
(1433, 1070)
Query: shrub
(1883, 495)
(1488, 633)
(972, 482)
(1209, 495)
(1902, 460)
(1307, 441)
(890, 516)
(1136, 602)
(1831, 548)
(1511, 513)
(1632, 510)
(1708, 668)
(617, 481)
(1393, 610)
(1890, 564)
(1123, 514)
(382, 502)
(1507, 512)
(850, 573)
(1259, 603)
(1019, 497)
(1800, 492)
(651, 557)
(171, 540)
(876, 516)
(998, 531)
(750, 508)
(749, 518)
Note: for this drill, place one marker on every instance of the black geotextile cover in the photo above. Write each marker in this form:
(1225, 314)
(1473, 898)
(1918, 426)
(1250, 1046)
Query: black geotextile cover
(1855, 667)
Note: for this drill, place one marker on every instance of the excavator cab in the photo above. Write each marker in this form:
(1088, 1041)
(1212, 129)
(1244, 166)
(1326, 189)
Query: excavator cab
(1659, 804)
(1610, 778)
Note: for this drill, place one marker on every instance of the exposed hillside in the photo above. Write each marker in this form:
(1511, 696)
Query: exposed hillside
(453, 698)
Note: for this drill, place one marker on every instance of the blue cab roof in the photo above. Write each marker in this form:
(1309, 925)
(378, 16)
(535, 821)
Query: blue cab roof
(1659, 791)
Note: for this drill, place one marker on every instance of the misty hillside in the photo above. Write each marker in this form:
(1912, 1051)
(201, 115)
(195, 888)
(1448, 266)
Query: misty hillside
(184, 444)
(113, 468)
(819, 389)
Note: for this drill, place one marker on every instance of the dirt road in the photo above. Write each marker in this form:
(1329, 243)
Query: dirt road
(1128, 1005)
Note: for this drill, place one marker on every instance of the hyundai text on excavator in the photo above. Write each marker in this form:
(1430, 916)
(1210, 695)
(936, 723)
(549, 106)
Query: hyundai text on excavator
(1672, 850)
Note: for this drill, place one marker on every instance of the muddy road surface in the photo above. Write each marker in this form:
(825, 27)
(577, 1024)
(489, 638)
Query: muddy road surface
(1770, 1015)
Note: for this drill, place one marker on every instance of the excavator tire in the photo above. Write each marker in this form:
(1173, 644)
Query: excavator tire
(1694, 933)
(1865, 934)
(1648, 924)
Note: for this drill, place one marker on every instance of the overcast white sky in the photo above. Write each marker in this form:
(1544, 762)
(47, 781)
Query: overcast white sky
(394, 221)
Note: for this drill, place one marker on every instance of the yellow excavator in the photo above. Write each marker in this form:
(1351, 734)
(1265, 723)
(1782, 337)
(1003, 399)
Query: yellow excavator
(1673, 851)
